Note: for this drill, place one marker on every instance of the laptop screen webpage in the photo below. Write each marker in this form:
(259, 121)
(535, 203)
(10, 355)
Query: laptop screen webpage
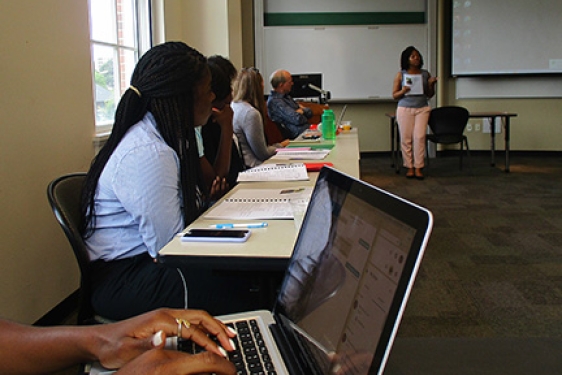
(351, 269)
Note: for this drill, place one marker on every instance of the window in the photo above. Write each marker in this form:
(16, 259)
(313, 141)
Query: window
(119, 34)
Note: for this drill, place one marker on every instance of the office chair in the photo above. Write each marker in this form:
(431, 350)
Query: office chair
(317, 110)
(285, 133)
(65, 194)
(272, 131)
(447, 126)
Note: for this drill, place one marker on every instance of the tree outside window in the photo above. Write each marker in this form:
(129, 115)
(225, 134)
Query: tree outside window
(115, 30)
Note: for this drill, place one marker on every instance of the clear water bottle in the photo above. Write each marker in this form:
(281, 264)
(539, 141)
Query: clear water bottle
(328, 124)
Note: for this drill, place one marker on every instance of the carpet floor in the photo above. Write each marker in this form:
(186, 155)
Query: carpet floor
(493, 266)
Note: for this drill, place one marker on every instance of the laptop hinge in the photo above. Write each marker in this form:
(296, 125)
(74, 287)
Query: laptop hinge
(296, 357)
(287, 351)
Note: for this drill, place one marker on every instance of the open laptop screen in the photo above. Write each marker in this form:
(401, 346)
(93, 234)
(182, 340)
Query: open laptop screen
(353, 265)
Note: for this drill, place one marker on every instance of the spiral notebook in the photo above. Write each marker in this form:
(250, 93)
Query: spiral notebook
(275, 172)
(250, 204)
(298, 153)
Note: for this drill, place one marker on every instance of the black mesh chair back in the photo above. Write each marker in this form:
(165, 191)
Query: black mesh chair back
(64, 194)
(447, 126)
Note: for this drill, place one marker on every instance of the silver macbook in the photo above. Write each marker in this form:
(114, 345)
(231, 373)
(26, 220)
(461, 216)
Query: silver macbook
(346, 286)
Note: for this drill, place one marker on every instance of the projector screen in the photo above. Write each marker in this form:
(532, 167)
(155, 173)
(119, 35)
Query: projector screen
(505, 37)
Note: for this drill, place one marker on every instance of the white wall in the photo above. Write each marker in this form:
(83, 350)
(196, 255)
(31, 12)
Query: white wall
(47, 122)
(211, 27)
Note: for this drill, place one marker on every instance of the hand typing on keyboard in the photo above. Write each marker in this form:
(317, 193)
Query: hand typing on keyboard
(250, 355)
(133, 346)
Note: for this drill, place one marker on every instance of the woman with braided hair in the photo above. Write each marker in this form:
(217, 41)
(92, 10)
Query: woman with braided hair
(146, 185)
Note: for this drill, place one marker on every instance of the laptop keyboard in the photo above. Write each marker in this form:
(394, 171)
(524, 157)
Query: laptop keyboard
(250, 356)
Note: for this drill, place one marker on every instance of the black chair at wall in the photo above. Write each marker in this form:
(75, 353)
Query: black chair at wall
(64, 194)
(447, 126)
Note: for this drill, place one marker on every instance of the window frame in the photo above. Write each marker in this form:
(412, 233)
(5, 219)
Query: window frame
(142, 24)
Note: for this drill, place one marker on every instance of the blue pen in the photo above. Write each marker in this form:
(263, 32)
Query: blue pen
(263, 224)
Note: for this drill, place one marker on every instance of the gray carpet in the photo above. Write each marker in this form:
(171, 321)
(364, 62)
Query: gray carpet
(493, 266)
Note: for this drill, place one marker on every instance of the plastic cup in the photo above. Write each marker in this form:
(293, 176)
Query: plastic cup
(346, 126)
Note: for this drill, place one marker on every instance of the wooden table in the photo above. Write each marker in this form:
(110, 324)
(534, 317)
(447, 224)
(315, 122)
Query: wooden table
(268, 248)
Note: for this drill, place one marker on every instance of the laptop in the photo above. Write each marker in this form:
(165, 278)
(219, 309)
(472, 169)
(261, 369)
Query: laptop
(346, 287)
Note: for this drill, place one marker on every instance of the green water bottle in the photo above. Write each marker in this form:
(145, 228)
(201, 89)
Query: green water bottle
(328, 124)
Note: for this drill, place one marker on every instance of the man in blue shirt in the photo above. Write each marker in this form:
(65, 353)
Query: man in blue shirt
(283, 109)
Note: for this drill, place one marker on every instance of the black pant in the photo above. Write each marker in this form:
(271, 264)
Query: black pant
(132, 286)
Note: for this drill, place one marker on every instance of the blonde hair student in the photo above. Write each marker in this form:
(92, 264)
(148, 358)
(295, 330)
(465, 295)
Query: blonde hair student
(250, 111)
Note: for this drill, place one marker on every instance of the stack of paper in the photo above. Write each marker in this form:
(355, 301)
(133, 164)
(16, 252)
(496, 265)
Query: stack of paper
(275, 172)
(300, 153)
(259, 204)
(414, 81)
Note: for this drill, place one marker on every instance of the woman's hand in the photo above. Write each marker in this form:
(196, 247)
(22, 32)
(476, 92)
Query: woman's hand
(219, 188)
(118, 343)
(223, 117)
(431, 83)
(285, 143)
(398, 91)
(156, 362)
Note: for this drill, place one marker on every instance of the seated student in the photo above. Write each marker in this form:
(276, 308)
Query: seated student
(134, 346)
(249, 114)
(146, 185)
(221, 158)
(283, 109)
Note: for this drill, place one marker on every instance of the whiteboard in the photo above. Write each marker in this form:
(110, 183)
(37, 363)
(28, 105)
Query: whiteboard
(495, 43)
(356, 62)
(506, 37)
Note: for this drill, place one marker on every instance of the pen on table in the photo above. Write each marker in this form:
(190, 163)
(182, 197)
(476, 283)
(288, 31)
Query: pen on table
(263, 224)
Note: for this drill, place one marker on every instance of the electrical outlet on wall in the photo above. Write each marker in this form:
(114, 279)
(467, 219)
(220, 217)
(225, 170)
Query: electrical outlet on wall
(498, 125)
(477, 127)
(486, 128)
(486, 125)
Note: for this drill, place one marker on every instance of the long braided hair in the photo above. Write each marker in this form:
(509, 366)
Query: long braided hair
(163, 83)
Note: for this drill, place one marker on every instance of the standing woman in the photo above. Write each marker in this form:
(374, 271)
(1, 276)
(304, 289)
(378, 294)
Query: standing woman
(413, 87)
(249, 113)
(146, 185)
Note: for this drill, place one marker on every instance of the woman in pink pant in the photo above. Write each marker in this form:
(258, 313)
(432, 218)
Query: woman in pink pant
(413, 87)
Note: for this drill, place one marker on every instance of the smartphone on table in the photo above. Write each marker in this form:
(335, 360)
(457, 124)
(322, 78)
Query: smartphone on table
(216, 235)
